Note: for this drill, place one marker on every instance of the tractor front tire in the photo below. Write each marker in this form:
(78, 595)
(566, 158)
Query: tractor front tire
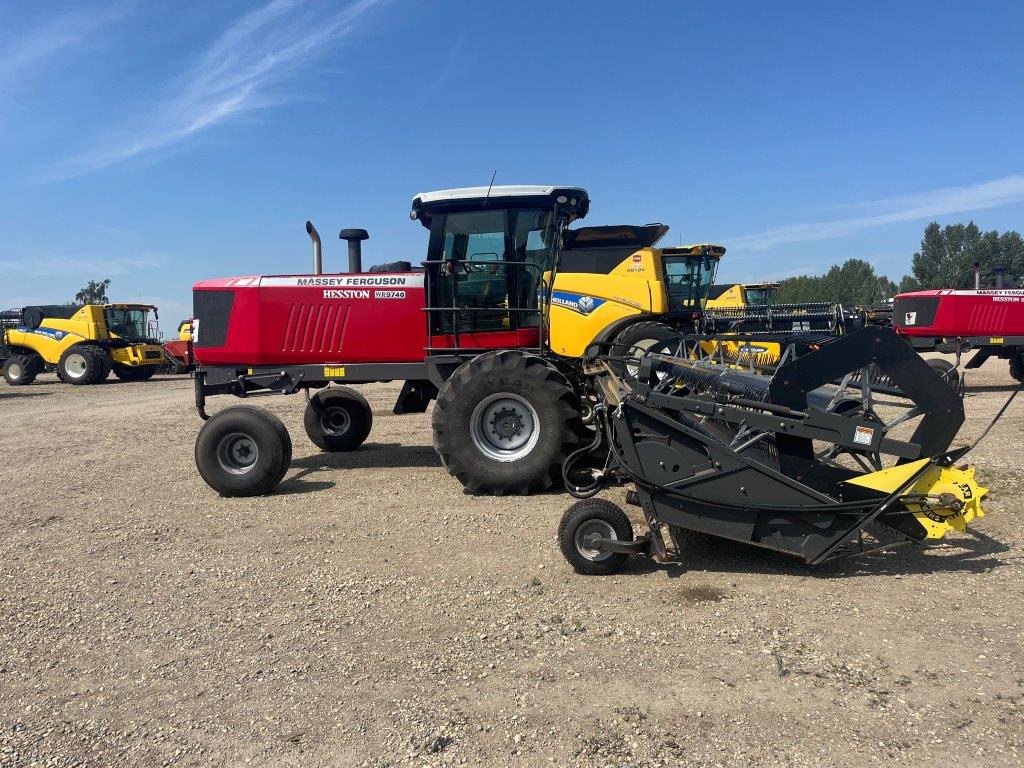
(505, 422)
(637, 340)
(588, 518)
(338, 419)
(83, 364)
(22, 369)
(243, 451)
(134, 372)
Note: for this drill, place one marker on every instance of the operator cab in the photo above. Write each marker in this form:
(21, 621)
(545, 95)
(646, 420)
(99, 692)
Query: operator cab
(760, 294)
(131, 321)
(488, 253)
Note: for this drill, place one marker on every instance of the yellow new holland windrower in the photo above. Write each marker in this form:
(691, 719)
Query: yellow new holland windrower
(805, 461)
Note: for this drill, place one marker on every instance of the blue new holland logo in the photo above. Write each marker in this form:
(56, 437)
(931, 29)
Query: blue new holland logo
(576, 302)
(52, 333)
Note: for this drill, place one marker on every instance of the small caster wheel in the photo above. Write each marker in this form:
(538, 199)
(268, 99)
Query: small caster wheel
(338, 419)
(588, 519)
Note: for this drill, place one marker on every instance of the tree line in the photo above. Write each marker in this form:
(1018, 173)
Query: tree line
(946, 260)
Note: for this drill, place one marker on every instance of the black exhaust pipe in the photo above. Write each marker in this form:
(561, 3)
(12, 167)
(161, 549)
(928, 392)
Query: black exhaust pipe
(318, 253)
(355, 247)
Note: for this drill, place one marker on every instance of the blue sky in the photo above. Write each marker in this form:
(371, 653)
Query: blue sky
(159, 143)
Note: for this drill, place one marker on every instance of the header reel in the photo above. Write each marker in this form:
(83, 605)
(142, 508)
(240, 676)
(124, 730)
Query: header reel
(791, 462)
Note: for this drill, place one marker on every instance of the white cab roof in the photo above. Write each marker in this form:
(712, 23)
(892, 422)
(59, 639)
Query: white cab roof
(509, 190)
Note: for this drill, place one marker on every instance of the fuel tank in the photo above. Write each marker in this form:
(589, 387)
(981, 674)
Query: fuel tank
(950, 313)
(310, 319)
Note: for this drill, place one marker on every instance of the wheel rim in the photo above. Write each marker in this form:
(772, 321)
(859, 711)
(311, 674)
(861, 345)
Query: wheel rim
(14, 371)
(586, 413)
(639, 349)
(504, 427)
(335, 421)
(587, 531)
(237, 453)
(75, 365)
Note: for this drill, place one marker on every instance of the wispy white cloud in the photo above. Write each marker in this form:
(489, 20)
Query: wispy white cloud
(32, 50)
(237, 73)
(923, 205)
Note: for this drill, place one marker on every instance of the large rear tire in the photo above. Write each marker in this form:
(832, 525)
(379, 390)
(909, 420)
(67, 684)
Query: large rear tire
(505, 422)
(134, 372)
(338, 419)
(638, 339)
(83, 364)
(22, 368)
(243, 451)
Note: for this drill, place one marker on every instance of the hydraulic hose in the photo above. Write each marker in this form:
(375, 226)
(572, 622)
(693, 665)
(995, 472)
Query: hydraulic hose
(585, 492)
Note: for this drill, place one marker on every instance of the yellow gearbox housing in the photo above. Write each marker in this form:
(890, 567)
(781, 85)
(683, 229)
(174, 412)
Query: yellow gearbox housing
(943, 499)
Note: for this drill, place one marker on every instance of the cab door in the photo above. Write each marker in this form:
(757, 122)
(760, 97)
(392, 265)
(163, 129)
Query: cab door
(483, 273)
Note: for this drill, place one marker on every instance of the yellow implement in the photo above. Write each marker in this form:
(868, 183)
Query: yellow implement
(943, 499)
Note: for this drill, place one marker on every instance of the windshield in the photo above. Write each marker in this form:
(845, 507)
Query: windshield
(131, 324)
(689, 279)
(759, 297)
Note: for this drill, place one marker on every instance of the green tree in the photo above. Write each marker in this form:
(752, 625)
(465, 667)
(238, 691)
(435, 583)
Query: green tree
(908, 283)
(93, 293)
(948, 254)
(852, 283)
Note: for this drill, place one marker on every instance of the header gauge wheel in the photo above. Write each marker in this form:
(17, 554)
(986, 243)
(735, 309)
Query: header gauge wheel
(581, 524)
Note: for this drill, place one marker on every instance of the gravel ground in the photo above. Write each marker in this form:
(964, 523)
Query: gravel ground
(371, 613)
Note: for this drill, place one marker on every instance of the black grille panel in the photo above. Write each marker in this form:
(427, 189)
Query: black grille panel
(212, 312)
(921, 309)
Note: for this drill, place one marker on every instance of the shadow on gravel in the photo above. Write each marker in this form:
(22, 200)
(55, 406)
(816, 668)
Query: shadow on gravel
(13, 395)
(974, 553)
(298, 484)
(991, 388)
(372, 455)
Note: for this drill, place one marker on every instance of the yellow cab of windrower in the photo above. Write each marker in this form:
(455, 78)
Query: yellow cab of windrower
(597, 288)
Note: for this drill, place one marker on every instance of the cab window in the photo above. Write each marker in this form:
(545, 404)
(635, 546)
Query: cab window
(482, 284)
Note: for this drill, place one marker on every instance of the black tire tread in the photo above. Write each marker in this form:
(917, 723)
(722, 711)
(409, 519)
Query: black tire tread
(576, 515)
(362, 423)
(447, 441)
(251, 419)
(1017, 366)
(31, 364)
(133, 372)
(646, 329)
(97, 364)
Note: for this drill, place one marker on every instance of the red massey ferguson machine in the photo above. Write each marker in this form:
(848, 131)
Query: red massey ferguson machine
(988, 320)
(466, 329)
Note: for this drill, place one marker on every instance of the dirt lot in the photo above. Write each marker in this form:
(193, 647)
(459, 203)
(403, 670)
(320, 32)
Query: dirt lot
(370, 613)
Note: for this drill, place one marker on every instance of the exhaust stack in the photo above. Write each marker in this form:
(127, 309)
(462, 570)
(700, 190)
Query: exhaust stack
(977, 275)
(318, 254)
(355, 247)
(1000, 273)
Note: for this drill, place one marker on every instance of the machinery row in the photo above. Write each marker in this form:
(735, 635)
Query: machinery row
(588, 356)
(582, 356)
